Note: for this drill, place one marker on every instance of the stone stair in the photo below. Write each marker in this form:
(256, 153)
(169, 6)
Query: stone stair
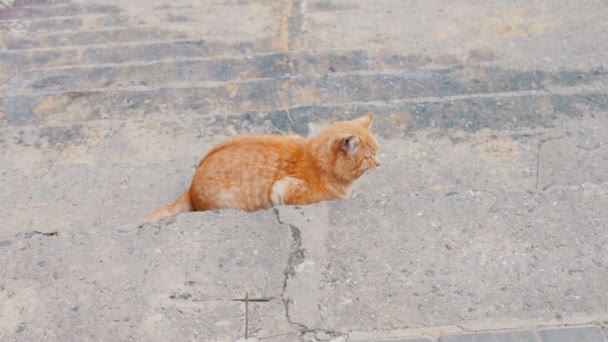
(489, 204)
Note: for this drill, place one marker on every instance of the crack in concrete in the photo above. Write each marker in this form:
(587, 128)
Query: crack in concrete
(574, 187)
(53, 233)
(295, 258)
(588, 149)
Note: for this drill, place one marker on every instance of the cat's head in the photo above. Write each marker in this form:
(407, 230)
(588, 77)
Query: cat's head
(353, 148)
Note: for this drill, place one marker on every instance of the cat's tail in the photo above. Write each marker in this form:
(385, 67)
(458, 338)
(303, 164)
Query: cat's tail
(181, 205)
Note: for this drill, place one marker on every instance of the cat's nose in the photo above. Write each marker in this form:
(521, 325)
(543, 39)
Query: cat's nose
(377, 162)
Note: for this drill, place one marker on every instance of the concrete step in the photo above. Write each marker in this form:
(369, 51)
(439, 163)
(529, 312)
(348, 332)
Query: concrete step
(92, 197)
(150, 283)
(40, 2)
(121, 49)
(472, 257)
(124, 52)
(115, 141)
(217, 69)
(348, 69)
(200, 19)
(420, 102)
(40, 26)
(84, 38)
(18, 12)
(105, 142)
(155, 281)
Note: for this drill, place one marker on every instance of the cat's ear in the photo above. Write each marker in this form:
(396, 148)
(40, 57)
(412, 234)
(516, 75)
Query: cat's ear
(366, 120)
(350, 144)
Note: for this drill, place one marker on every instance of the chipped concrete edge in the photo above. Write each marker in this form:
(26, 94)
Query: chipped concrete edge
(479, 326)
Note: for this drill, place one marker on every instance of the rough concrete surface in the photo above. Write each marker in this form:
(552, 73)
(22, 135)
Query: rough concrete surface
(486, 220)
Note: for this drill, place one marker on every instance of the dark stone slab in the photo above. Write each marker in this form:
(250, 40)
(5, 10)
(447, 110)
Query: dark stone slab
(413, 339)
(509, 336)
(578, 334)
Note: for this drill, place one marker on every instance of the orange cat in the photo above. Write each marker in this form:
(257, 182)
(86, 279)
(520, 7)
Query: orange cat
(260, 171)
